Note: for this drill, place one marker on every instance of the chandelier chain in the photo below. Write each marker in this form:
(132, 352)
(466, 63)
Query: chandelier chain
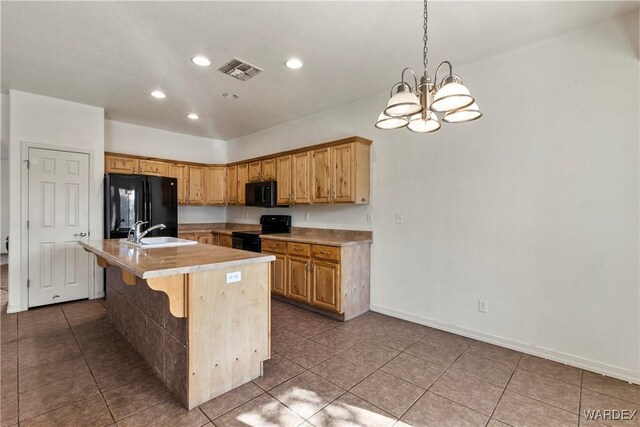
(425, 38)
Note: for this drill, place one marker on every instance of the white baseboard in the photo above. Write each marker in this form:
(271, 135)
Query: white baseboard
(567, 359)
(14, 309)
(98, 296)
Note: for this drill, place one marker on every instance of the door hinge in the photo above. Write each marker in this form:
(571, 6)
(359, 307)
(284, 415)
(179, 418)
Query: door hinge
(28, 283)
(28, 163)
(27, 223)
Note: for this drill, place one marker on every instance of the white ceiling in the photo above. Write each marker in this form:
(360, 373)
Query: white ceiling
(112, 54)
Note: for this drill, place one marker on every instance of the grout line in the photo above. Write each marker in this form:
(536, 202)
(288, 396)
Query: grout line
(505, 389)
(580, 399)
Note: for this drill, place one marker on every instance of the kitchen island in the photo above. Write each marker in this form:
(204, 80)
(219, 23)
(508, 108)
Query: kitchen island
(198, 314)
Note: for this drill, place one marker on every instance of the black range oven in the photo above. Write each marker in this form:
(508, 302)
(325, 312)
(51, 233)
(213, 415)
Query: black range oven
(271, 224)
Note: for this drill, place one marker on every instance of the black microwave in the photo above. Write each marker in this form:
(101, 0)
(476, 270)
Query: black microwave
(261, 194)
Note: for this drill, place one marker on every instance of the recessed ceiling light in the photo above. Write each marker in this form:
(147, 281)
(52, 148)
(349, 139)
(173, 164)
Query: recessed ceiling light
(158, 94)
(230, 95)
(193, 116)
(293, 63)
(202, 61)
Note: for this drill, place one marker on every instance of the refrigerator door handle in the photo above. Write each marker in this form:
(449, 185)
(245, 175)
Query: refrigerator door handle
(148, 202)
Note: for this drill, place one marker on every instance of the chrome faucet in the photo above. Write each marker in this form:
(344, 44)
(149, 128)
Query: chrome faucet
(138, 234)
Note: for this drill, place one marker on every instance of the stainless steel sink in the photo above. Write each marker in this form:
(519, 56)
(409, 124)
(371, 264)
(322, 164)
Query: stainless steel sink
(159, 242)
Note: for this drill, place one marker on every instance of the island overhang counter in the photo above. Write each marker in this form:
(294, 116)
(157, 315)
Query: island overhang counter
(198, 314)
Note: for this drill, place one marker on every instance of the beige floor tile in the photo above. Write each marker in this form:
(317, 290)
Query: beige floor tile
(308, 328)
(594, 401)
(395, 340)
(136, 396)
(435, 352)
(499, 354)
(261, 411)
(165, 414)
(224, 403)
(45, 398)
(282, 338)
(518, 410)
(351, 411)
(50, 356)
(546, 389)
(308, 353)
(433, 410)
(105, 356)
(47, 374)
(414, 370)
(468, 391)
(549, 368)
(337, 339)
(127, 371)
(343, 371)
(276, 371)
(495, 423)
(387, 392)
(91, 412)
(611, 386)
(487, 370)
(306, 394)
(370, 354)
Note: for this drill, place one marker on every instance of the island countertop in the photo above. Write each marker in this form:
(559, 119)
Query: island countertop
(162, 262)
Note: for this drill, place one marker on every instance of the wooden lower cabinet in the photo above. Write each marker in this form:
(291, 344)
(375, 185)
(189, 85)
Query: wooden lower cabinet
(325, 277)
(206, 238)
(225, 240)
(279, 275)
(299, 279)
(188, 236)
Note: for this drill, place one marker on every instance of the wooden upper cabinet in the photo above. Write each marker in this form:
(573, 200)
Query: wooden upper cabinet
(181, 173)
(301, 177)
(321, 175)
(232, 185)
(196, 185)
(215, 179)
(269, 169)
(284, 176)
(117, 164)
(343, 173)
(152, 167)
(243, 178)
(255, 171)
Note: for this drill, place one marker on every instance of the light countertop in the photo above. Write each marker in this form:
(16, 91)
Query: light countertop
(161, 262)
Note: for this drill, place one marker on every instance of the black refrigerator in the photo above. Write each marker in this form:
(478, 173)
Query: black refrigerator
(130, 198)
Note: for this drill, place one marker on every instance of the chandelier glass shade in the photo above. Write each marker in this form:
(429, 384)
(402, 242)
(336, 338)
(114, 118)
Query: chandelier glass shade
(415, 106)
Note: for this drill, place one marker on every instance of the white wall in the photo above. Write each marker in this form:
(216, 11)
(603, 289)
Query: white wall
(4, 171)
(45, 120)
(145, 141)
(533, 208)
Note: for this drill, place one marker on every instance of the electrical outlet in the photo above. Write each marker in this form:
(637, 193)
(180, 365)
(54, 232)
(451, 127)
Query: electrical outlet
(307, 216)
(483, 306)
(370, 218)
(235, 276)
(399, 218)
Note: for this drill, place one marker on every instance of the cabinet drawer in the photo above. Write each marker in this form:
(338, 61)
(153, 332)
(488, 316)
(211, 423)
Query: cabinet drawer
(299, 249)
(326, 252)
(150, 167)
(274, 246)
(225, 240)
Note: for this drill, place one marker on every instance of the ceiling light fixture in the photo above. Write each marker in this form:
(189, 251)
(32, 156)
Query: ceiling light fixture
(158, 94)
(230, 95)
(193, 116)
(293, 63)
(202, 61)
(415, 106)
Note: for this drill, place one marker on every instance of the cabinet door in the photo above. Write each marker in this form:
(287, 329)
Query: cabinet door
(188, 236)
(321, 176)
(343, 172)
(255, 171)
(115, 164)
(278, 275)
(215, 239)
(243, 178)
(283, 176)
(206, 238)
(232, 185)
(181, 173)
(225, 240)
(152, 167)
(326, 285)
(298, 283)
(196, 185)
(215, 185)
(301, 176)
(269, 169)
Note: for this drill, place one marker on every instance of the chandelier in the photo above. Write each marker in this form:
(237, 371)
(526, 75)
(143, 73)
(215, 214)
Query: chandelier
(415, 107)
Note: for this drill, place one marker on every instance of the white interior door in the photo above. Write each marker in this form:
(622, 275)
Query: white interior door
(58, 219)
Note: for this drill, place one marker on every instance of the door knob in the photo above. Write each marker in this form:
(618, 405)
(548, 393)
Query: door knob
(81, 234)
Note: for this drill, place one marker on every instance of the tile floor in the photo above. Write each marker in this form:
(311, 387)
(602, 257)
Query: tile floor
(65, 365)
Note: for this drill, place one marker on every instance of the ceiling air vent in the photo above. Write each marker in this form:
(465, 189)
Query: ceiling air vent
(239, 69)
